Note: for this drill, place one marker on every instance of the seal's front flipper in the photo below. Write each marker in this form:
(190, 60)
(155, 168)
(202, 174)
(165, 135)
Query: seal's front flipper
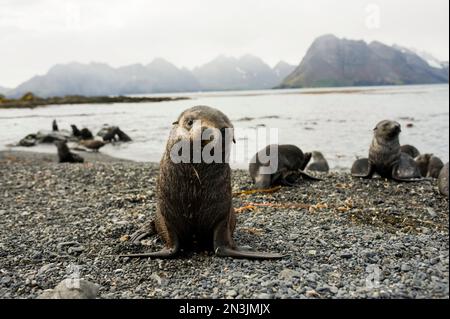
(306, 161)
(236, 253)
(165, 253)
(145, 231)
(224, 244)
(307, 176)
(362, 168)
(406, 170)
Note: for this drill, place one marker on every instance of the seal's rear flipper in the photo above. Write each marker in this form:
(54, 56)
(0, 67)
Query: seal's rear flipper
(163, 254)
(236, 253)
(145, 231)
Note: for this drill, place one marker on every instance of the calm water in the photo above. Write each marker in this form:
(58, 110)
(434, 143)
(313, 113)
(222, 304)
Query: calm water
(337, 123)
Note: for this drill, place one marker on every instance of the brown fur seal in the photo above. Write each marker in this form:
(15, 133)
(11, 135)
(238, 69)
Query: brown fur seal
(194, 200)
(386, 158)
(410, 150)
(54, 126)
(291, 163)
(360, 167)
(429, 165)
(443, 180)
(75, 131)
(86, 134)
(92, 144)
(64, 154)
(319, 163)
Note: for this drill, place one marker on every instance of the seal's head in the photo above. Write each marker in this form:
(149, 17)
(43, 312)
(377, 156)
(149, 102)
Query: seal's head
(387, 130)
(205, 131)
(205, 124)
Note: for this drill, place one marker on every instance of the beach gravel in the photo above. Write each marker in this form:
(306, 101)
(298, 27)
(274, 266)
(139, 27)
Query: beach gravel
(343, 237)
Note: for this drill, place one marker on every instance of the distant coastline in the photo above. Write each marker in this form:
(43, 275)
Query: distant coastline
(29, 100)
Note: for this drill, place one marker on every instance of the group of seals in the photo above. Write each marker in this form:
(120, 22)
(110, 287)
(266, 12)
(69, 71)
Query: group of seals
(385, 156)
(113, 133)
(290, 165)
(429, 165)
(194, 200)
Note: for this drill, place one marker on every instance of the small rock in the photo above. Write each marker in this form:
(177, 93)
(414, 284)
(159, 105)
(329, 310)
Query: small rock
(431, 212)
(72, 289)
(5, 280)
(405, 268)
(346, 255)
(312, 252)
(312, 294)
(288, 274)
(44, 269)
(264, 296)
(231, 293)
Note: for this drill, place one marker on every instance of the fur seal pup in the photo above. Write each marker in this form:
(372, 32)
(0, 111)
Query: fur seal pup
(360, 167)
(85, 134)
(286, 171)
(94, 145)
(54, 126)
(429, 165)
(65, 155)
(75, 131)
(386, 158)
(319, 163)
(443, 180)
(194, 200)
(410, 150)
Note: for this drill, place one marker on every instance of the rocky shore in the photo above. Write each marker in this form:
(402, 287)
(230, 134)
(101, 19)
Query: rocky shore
(30, 101)
(344, 237)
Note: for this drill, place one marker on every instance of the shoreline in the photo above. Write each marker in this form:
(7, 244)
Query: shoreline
(30, 101)
(336, 234)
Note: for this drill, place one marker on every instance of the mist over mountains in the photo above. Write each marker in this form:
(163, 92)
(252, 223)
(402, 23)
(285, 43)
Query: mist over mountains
(329, 61)
(159, 76)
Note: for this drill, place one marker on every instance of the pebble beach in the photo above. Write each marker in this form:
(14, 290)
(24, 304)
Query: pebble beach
(343, 237)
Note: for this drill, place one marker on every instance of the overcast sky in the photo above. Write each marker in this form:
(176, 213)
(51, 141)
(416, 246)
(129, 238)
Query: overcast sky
(36, 34)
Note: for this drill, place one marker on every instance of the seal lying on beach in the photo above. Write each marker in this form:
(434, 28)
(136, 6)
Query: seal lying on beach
(194, 200)
(94, 145)
(429, 165)
(410, 150)
(319, 163)
(443, 180)
(86, 134)
(65, 155)
(386, 158)
(286, 171)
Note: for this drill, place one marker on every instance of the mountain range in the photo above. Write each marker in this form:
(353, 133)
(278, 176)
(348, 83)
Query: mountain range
(329, 61)
(4, 90)
(159, 76)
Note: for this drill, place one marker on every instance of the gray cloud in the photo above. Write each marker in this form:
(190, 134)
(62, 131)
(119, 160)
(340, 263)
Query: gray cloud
(35, 35)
